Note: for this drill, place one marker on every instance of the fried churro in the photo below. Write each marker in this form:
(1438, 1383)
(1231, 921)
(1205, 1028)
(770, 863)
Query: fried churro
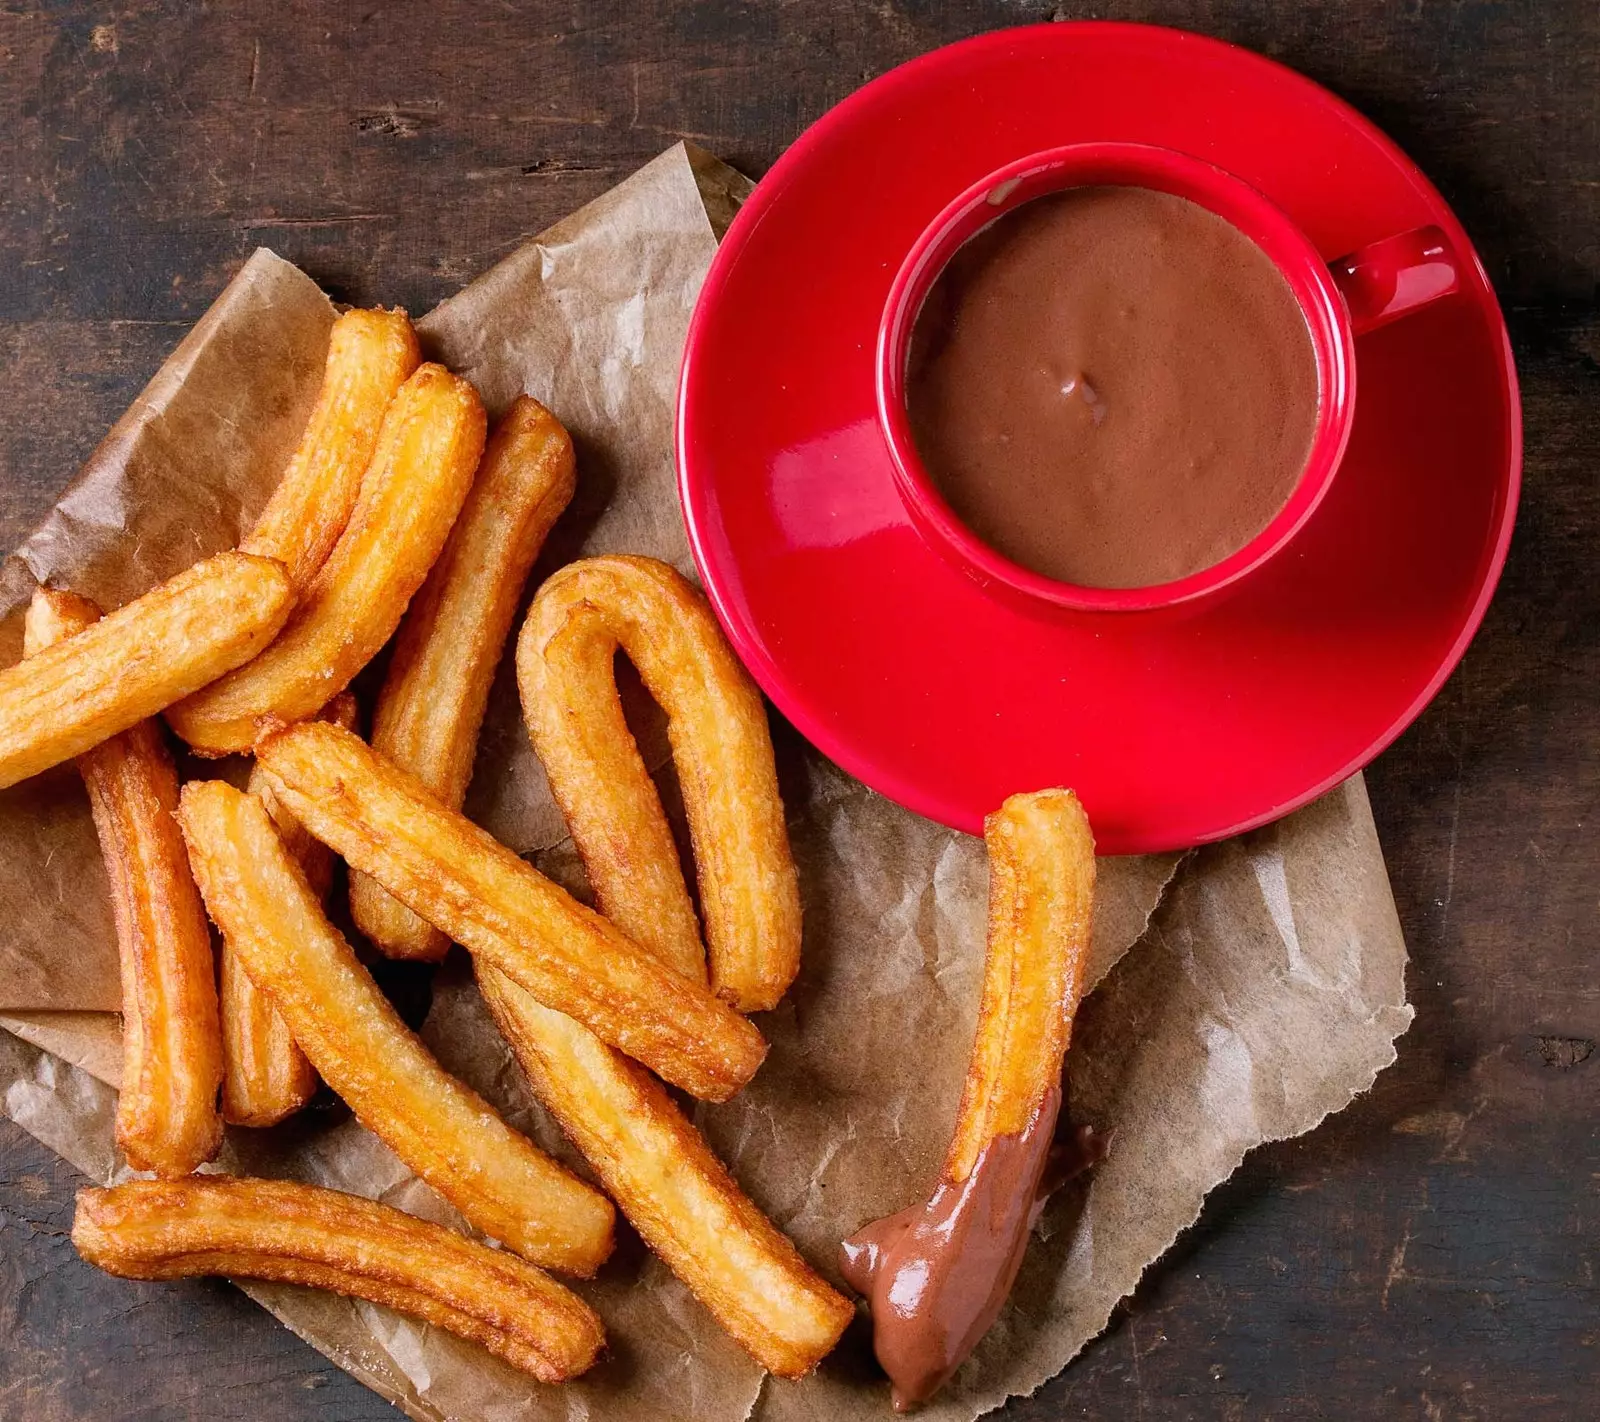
(937, 1274)
(325, 1239)
(671, 1186)
(384, 822)
(138, 660)
(444, 1131)
(431, 707)
(370, 355)
(410, 495)
(721, 749)
(167, 1119)
(265, 1076)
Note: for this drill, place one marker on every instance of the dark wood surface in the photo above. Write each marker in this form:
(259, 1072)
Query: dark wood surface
(1429, 1253)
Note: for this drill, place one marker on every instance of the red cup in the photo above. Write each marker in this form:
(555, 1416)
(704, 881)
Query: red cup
(1339, 301)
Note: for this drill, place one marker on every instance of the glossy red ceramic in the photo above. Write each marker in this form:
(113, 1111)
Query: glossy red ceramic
(1177, 725)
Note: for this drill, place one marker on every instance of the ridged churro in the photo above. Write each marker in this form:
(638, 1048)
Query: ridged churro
(138, 660)
(431, 707)
(938, 1273)
(671, 1186)
(167, 1119)
(722, 751)
(1041, 901)
(410, 495)
(325, 1239)
(265, 1076)
(370, 355)
(384, 822)
(446, 1133)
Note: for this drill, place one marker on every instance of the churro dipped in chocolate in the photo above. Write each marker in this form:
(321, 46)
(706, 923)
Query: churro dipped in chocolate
(937, 1274)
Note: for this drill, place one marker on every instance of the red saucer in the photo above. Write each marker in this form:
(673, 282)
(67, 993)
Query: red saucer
(1175, 727)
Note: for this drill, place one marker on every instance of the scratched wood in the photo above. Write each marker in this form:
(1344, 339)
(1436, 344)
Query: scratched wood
(1429, 1253)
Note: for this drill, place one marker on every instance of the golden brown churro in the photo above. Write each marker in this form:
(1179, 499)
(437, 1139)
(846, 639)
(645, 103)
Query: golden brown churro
(383, 822)
(265, 1076)
(722, 751)
(1041, 900)
(370, 355)
(938, 1273)
(671, 1186)
(315, 859)
(138, 661)
(444, 1131)
(167, 1118)
(431, 707)
(410, 494)
(299, 1234)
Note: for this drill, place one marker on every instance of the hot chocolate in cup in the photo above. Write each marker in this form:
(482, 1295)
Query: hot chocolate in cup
(1113, 377)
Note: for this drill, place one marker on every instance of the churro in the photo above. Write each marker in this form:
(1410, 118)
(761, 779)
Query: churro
(384, 822)
(938, 1273)
(722, 751)
(370, 355)
(671, 1186)
(431, 707)
(410, 495)
(300, 1234)
(444, 1131)
(138, 660)
(167, 1119)
(265, 1076)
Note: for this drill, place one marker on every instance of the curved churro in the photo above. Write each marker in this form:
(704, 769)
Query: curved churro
(370, 355)
(383, 822)
(938, 1273)
(444, 1131)
(167, 1117)
(299, 1234)
(265, 1076)
(723, 754)
(671, 1186)
(431, 707)
(1041, 901)
(410, 495)
(138, 660)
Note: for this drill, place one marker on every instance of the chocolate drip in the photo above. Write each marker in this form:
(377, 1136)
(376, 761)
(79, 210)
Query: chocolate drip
(937, 1274)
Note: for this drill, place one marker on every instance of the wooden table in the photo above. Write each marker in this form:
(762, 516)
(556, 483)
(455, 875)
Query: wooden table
(1431, 1252)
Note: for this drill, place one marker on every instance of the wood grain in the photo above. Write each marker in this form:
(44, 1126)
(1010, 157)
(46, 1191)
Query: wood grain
(1431, 1252)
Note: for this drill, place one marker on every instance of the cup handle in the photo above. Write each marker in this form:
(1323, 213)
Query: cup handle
(1394, 277)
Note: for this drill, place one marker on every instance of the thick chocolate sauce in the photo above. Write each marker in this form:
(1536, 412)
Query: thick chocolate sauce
(1112, 387)
(937, 1274)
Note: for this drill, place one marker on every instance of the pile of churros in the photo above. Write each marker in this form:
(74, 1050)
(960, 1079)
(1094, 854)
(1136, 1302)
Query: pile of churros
(400, 519)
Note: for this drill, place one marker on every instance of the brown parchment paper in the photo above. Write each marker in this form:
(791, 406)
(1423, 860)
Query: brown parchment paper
(1265, 992)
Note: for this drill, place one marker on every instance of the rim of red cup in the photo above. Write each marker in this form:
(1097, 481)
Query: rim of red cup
(1120, 165)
